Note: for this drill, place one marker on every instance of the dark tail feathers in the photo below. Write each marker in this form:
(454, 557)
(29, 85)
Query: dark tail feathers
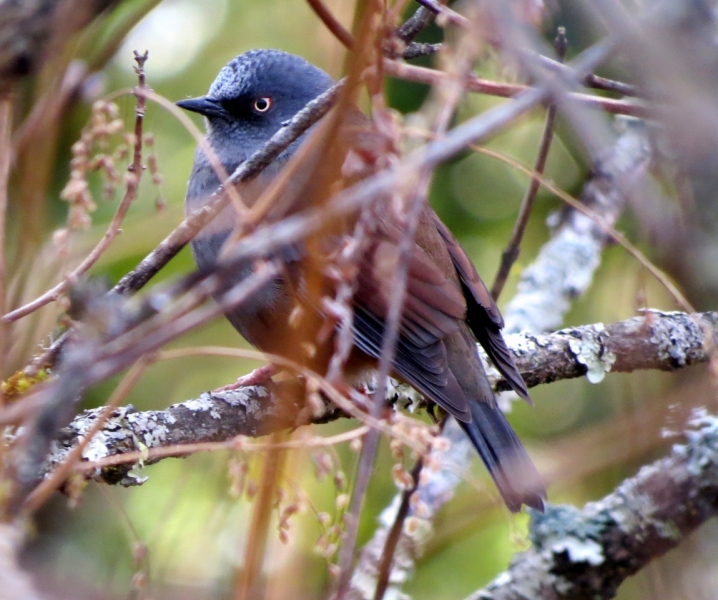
(506, 459)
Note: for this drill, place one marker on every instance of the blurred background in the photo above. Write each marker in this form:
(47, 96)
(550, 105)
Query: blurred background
(182, 533)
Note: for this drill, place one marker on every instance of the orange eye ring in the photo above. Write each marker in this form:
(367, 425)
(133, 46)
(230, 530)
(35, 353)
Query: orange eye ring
(262, 105)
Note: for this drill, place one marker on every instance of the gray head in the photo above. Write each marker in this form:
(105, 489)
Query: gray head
(254, 94)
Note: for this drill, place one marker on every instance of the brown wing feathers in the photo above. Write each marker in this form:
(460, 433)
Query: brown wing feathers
(482, 314)
(432, 346)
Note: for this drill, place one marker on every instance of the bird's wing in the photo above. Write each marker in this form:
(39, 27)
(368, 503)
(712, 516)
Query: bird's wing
(482, 314)
(433, 308)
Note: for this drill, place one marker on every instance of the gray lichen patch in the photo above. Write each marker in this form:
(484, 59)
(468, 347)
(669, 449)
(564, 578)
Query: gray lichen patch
(566, 529)
(580, 550)
(148, 427)
(248, 397)
(525, 343)
(701, 448)
(202, 404)
(589, 350)
(676, 337)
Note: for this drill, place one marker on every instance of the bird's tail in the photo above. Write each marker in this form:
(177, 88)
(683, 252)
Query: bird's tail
(505, 458)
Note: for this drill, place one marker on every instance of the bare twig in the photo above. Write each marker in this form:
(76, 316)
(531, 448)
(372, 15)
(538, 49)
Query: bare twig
(333, 25)
(509, 256)
(5, 159)
(394, 533)
(591, 80)
(93, 358)
(475, 84)
(440, 9)
(594, 213)
(256, 544)
(443, 105)
(564, 267)
(420, 20)
(438, 112)
(434, 8)
(132, 182)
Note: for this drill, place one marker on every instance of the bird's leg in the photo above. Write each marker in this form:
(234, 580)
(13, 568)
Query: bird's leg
(259, 376)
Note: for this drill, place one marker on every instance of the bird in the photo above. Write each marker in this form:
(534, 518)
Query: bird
(447, 308)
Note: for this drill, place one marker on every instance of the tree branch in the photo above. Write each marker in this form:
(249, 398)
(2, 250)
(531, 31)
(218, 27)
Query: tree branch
(663, 341)
(580, 554)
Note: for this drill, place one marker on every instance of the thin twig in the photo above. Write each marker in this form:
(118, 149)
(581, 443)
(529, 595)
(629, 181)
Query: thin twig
(420, 20)
(5, 160)
(450, 14)
(333, 25)
(93, 359)
(392, 538)
(370, 444)
(475, 84)
(443, 104)
(591, 80)
(603, 224)
(132, 183)
(256, 545)
(509, 256)
(417, 49)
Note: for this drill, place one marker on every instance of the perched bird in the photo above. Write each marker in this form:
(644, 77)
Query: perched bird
(447, 307)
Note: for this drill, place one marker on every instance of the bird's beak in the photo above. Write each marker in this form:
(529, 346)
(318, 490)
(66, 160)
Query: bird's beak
(204, 105)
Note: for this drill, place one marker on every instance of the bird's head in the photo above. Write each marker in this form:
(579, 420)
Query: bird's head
(254, 94)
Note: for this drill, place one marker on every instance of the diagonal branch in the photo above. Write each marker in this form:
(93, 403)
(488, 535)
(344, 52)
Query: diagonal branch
(588, 553)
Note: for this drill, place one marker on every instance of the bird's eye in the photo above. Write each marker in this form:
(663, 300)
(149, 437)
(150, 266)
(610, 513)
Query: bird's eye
(262, 105)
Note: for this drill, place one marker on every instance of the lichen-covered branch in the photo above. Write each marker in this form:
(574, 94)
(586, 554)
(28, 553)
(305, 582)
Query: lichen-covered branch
(657, 340)
(213, 417)
(582, 554)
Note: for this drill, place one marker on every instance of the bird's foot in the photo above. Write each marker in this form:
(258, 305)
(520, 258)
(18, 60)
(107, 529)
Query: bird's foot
(259, 376)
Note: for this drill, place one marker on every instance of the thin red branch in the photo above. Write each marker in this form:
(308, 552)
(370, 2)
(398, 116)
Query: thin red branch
(478, 85)
(333, 25)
